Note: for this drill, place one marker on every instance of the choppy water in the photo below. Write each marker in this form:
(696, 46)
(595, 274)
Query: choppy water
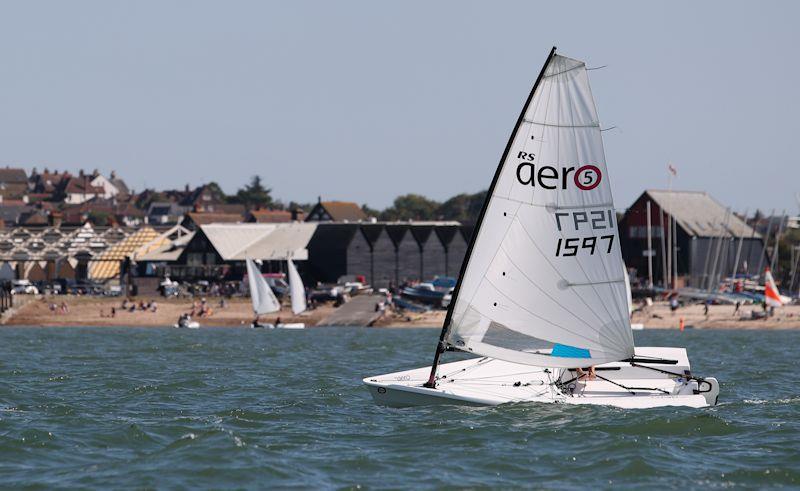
(242, 408)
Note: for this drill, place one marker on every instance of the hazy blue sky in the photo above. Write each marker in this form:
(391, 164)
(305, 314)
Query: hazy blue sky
(367, 100)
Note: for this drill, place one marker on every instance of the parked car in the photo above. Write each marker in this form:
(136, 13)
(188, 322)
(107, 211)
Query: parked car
(113, 291)
(24, 287)
(84, 287)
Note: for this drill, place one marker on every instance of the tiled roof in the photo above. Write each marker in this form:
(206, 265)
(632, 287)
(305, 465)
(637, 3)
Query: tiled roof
(107, 265)
(343, 211)
(207, 218)
(8, 174)
(270, 216)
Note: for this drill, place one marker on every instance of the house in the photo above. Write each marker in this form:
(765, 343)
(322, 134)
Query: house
(164, 212)
(707, 237)
(336, 211)
(46, 183)
(205, 198)
(113, 186)
(217, 251)
(12, 210)
(13, 183)
(76, 190)
(103, 212)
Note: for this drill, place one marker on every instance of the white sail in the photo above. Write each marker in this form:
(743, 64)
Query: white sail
(545, 268)
(628, 292)
(264, 301)
(297, 290)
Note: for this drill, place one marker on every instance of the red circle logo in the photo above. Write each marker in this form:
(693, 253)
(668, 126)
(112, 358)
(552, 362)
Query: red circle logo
(587, 177)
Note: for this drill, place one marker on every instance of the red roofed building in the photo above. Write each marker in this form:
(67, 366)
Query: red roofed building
(336, 211)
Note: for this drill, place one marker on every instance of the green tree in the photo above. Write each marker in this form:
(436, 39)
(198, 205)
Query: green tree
(411, 207)
(99, 218)
(370, 212)
(254, 194)
(464, 207)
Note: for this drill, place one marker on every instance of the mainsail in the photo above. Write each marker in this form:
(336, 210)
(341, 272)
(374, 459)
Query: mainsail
(264, 301)
(297, 290)
(545, 268)
(771, 295)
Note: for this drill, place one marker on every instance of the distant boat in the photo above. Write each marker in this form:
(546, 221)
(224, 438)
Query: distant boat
(297, 291)
(264, 300)
(188, 325)
(540, 299)
(772, 296)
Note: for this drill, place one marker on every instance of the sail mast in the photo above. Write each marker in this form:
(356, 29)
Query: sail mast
(440, 347)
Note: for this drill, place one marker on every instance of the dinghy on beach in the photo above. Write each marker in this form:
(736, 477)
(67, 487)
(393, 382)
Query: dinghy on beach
(541, 296)
(262, 296)
(265, 302)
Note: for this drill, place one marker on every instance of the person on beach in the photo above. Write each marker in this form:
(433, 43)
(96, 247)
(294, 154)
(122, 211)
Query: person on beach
(736, 310)
(673, 304)
(64, 308)
(113, 312)
(705, 307)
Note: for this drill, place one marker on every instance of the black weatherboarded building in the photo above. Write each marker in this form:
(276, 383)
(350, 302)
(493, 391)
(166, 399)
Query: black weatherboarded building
(384, 253)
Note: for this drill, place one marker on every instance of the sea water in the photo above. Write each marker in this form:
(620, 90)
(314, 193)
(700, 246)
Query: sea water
(226, 407)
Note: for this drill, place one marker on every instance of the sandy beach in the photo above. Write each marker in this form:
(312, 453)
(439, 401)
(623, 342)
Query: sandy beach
(96, 311)
(659, 316)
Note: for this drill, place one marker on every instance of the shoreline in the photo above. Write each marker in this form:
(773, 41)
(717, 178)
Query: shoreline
(95, 312)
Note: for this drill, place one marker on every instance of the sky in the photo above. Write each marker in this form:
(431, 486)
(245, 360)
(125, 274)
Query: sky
(364, 100)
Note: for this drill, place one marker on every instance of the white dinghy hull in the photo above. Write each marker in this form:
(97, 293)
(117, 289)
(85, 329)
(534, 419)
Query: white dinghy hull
(491, 382)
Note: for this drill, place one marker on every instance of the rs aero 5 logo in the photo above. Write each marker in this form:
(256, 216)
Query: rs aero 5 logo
(585, 177)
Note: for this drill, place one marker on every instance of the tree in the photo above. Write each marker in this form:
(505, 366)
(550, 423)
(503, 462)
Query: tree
(464, 207)
(254, 194)
(370, 212)
(411, 207)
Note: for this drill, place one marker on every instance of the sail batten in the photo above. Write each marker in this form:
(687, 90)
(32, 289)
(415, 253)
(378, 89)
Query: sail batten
(545, 261)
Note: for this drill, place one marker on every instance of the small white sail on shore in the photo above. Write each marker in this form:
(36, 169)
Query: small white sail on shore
(296, 289)
(541, 295)
(264, 300)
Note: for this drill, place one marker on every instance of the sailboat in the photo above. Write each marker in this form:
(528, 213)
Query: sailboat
(772, 295)
(541, 298)
(264, 300)
(297, 292)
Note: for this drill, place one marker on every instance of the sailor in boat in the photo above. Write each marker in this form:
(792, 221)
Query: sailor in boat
(183, 320)
(256, 323)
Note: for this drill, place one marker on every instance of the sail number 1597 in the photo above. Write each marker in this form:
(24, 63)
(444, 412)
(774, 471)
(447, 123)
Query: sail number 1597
(570, 247)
